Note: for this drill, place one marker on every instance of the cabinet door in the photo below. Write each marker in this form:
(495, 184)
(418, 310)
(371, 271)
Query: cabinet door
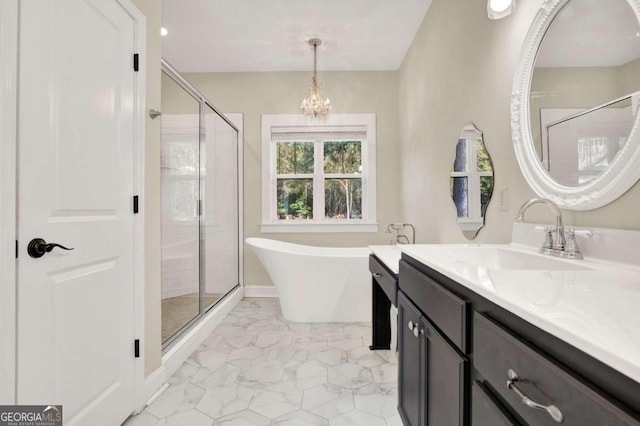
(411, 364)
(447, 379)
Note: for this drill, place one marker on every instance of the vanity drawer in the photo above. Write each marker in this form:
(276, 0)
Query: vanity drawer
(496, 351)
(385, 279)
(447, 311)
(487, 412)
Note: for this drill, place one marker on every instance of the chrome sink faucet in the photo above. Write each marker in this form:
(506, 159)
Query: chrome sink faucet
(555, 241)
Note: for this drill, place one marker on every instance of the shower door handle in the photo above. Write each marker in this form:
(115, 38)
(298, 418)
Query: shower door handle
(39, 247)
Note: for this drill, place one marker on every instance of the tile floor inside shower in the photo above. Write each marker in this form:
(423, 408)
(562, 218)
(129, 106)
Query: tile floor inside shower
(256, 368)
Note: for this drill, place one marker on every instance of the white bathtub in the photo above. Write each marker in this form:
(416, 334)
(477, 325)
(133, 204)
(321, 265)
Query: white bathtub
(318, 284)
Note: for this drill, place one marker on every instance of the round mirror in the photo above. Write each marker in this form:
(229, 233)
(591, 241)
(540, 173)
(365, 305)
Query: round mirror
(575, 102)
(471, 180)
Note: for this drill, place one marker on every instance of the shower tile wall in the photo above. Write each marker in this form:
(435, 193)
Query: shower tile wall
(178, 277)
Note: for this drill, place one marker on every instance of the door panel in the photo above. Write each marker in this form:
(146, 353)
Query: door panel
(411, 400)
(220, 218)
(76, 308)
(447, 378)
(181, 187)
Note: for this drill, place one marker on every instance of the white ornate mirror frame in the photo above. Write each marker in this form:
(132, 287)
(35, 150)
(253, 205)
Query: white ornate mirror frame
(621, 174)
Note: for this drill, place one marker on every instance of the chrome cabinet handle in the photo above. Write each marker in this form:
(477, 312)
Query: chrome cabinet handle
(410, 325)
(416, 332)
(552, 410)
(377, 275)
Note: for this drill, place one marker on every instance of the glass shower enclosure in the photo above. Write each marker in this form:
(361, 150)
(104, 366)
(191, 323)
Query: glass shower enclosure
(200, 205)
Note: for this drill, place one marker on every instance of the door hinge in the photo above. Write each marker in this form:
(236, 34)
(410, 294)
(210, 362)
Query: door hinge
(136, 348)
(136, 204)
(136, 62)
(16, 249)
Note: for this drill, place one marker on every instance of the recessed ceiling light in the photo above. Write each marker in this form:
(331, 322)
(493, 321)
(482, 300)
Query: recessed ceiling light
(163, 31)
(497, 9)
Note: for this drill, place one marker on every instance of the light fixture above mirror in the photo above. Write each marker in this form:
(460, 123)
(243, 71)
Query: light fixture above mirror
(497, 9)
(315, 104)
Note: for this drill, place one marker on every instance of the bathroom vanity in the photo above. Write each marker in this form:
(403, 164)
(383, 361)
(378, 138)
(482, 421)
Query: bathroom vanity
(383, 265)
(482, 342)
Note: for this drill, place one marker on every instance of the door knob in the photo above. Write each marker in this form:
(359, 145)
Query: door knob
(39, 247)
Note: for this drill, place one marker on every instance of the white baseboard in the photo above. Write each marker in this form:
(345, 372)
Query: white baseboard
(179, 352)
(260, 291)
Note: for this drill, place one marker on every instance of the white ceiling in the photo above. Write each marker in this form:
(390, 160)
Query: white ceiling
(591, 33)
(271, 35)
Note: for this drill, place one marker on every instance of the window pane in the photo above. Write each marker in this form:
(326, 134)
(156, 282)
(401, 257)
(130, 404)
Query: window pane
(484, 162)
(295, 199)
(180, 199)
(343, 198)
(486, 188)
(460, 194)
(343, 157)
(294, 157)
(460, 163)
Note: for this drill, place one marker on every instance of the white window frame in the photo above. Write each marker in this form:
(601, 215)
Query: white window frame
(277, 123)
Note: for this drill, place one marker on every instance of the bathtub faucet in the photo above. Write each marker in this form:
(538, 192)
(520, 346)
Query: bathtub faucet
(401, 238)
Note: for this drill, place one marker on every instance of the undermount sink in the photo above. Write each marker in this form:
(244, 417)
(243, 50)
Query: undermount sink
(497, 258)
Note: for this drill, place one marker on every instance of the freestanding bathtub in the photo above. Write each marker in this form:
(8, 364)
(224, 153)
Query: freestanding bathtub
(318, 284)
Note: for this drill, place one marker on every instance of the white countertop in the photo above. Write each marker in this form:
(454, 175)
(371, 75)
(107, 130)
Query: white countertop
(389, 255)
(597, 310)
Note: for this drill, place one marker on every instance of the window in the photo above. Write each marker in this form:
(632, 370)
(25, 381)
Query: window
(318, 177)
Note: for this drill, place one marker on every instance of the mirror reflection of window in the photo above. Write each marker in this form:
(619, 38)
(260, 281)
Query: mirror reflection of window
(471, 180)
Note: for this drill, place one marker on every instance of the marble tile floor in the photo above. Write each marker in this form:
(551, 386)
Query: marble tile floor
(256, 368)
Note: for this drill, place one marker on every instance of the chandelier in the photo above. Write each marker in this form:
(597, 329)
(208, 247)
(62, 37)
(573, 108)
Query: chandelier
(315, 105)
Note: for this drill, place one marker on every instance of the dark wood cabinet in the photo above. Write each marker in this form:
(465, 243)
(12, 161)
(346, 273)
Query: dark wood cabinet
(498, 353)
(433, 375)
(411, 364)
(486, 411)
(447, 378)
(384, 289)
(443, 325)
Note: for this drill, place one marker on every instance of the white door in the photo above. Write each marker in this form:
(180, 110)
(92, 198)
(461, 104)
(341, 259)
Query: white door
(75, 188)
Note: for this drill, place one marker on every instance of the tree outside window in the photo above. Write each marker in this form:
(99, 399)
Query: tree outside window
(338, 175)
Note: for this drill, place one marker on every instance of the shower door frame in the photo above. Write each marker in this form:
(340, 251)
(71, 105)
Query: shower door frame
(174, 75)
